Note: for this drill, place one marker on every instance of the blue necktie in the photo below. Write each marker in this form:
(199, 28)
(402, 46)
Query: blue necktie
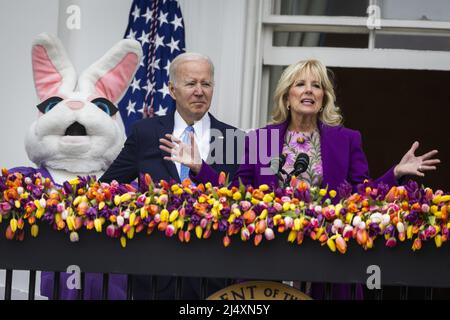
(184, 172)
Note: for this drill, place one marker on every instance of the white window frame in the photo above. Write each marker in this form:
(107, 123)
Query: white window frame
(266, 55)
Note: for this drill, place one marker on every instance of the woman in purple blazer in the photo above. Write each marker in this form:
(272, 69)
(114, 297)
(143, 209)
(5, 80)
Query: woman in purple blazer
(305, 121)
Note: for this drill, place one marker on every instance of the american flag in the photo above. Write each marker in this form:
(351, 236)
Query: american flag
(158, 26)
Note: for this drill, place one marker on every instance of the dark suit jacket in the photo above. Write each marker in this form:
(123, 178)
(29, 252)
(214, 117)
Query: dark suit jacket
(141, 153)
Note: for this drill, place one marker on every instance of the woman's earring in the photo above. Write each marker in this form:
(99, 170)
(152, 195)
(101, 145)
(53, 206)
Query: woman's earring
(321, 109)
(288, 107)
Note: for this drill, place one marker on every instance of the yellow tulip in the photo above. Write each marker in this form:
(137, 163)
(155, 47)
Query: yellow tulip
(297, 224)
(132, 218)
(173, 215)
(130, 233)
(237, 196)
(144, 213)
(98, 225)
(267, 198)
(101, 205)
(123, 241)
(13, 224)
(34, 230)
(264, 187)
(438, 241)
(331, 244)
(409, 232)
(322, 193)
(125, 197)
(198, 232)
(292, 236)
(263, 214)
(164, 215)
(333, 193)
(286, 206)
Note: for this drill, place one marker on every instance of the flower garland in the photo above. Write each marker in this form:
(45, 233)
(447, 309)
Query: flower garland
(406, 212)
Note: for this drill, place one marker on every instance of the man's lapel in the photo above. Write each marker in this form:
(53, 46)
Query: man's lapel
(166, 125)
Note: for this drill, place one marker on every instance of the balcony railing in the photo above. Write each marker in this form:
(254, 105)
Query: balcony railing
(271, 260)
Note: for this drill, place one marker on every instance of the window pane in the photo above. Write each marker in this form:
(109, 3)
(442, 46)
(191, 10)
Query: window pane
(355, 8)
(320, 39)
(412, 42)
(437, 10)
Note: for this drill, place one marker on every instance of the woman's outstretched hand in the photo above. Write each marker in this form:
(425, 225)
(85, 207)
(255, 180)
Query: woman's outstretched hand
(416, 165)
(183, 153)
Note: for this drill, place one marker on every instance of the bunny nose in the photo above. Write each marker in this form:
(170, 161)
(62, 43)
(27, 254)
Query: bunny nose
(75, 104)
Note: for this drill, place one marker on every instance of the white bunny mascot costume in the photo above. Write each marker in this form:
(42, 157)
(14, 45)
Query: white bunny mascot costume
(79, 130)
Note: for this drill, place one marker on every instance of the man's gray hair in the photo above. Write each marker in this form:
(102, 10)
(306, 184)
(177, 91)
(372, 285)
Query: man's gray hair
(188, 56)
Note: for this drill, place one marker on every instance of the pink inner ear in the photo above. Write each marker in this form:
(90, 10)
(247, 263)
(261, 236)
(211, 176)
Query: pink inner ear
(115, 82)
(47, 79)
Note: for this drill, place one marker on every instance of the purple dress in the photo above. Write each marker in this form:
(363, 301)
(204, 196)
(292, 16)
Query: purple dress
(93, 281)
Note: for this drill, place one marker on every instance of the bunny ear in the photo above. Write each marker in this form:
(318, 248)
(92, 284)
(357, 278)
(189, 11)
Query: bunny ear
(52, 71)
(111, 75)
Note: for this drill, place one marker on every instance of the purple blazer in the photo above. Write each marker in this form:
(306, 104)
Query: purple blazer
(343, 158)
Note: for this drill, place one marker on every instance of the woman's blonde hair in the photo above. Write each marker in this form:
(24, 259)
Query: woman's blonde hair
(330, 114)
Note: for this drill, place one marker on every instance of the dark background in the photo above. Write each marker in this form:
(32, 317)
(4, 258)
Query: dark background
(392, 109)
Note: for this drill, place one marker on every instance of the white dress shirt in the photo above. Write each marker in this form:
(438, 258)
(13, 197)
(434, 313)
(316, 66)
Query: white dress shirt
(202, 134)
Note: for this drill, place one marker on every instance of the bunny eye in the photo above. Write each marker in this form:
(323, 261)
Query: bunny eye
(106, 106)
(48, 104)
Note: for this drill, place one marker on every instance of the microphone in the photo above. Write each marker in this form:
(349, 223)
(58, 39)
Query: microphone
(300, 164)
(276, 165)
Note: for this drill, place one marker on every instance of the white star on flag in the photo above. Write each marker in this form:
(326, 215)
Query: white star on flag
(148, 15)
(149, 87)
(131, 34)
(164, 90)
(173, 45)
(177, 22)
(167, 67)
(130, 107)
(163, 18)
(144, 38)
(161, 111)
(136, 13)
(155, 64)
(135, 85)
(159, 42)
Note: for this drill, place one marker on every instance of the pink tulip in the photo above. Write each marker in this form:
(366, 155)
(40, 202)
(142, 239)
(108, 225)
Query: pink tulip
(245, 205)
(170, 230)
(278, 206)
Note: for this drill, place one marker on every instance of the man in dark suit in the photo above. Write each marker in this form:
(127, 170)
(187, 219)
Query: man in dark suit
(191, 84)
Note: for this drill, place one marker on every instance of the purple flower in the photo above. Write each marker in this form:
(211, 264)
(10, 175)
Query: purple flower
(412, 217)
(91, 213)
(374, 229)
(383, 190)
(67, 187)
(414, 192)
(389, 230)
(223, 225)
(225, 212)
(344, 190)
(195, 219)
